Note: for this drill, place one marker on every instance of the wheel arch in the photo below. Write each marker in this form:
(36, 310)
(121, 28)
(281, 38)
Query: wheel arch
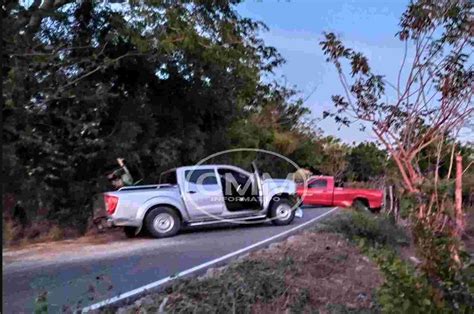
(282, 195)
(178, 212)
(150, 208)
(362, 199)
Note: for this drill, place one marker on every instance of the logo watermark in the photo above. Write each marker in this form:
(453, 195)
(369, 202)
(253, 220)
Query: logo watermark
(231, 194)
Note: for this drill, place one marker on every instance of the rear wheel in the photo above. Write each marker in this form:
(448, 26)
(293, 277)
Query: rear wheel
(162, 222)
(281, 212)
(361, 205)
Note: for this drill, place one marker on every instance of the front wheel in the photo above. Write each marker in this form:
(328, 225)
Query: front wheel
(162, 222)
(281, 212)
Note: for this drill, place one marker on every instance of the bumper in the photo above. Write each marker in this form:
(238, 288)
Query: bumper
(110, 222)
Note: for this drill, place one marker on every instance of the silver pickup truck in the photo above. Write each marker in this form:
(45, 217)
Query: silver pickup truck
(199, 195)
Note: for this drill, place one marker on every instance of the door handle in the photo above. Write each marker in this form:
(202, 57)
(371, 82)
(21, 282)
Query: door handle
(191, 192)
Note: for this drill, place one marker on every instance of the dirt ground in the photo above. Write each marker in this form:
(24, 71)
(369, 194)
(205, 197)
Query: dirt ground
(25, 251)
(328, 273)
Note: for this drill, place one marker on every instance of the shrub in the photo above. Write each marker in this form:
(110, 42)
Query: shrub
(41, 303)
(12, 232)
(7, 232)
(375, 230)
(55, 233)
(404, 290)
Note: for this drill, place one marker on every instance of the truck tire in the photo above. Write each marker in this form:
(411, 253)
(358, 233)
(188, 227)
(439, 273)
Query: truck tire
(130, 232)
(162, 222)
(281, 212)
(361, 205)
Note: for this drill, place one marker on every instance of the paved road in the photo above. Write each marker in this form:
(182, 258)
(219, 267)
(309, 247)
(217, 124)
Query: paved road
(98, 272)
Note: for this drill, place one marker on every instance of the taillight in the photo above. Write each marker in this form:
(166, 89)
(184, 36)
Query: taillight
(110, 203)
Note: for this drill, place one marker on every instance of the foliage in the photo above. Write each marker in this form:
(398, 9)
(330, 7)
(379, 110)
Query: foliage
(41, 304)
(160, 84)
(457, 285)
(404, 290)
(432, 103)
(374, 230)
(334, 157)
(407, 290)
(366, 161)
(415, 116)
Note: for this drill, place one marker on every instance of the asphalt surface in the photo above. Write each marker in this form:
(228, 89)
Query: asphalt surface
(98, 272)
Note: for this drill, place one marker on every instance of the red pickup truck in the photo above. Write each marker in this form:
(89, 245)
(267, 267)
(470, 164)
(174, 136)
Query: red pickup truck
(321, 191)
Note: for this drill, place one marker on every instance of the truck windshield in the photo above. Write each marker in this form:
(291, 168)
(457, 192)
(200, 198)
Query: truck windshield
(168, 177)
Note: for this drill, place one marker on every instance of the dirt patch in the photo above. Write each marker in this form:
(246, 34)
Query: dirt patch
(327, 272)
(49, 249)
(90, 238)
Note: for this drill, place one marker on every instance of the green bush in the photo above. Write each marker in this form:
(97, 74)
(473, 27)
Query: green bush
(41, 303)
(376, 230)
(456, 284)
(404, 290)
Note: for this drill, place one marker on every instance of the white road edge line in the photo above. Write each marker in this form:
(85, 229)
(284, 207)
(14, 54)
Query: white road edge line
(196, 268)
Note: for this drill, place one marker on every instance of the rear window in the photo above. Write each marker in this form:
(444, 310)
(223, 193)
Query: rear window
(320, 183)
(168, 177)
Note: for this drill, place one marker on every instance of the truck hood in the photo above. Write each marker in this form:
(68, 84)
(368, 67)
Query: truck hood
(279, 186)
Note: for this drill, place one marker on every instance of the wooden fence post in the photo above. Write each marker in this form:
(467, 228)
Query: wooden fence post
(458, 197)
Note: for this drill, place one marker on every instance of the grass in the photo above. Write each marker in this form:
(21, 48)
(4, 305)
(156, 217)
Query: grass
(234, 290)
(376, 230)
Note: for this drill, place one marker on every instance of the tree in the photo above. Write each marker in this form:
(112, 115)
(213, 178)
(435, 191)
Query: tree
(158, 84)
(366, 161)
(334, 157)
(430, 99)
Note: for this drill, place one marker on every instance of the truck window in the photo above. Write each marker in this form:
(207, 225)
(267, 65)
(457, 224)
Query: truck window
(229, 174)
(238, 190)
(320, 183)
(168, 177)
(201, 176)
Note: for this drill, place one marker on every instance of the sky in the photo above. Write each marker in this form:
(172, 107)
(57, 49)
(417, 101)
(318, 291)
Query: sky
(295, 29)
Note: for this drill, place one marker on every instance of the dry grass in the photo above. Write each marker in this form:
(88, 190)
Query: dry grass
(16, 236)
(328, 273)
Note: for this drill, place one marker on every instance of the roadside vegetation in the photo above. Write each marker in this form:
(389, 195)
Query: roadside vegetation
(354, 262)
(406, 287)
(311, 272)
(415, 117)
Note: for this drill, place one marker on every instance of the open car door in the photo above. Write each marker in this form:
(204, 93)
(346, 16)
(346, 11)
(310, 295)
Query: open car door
(258, 183)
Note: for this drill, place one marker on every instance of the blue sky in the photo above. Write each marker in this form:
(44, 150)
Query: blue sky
(296, 28)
